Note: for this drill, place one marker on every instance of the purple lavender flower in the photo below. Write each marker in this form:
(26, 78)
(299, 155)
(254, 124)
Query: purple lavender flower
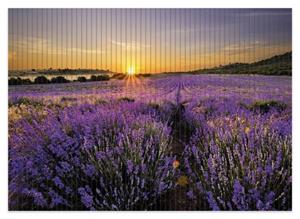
(119, 170)
(190, 194)
(90, 170)
(57, 181)
(129, 166)
(86, 199)
(212, 202)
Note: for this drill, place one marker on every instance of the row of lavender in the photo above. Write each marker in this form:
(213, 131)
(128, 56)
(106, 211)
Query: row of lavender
(161, 88)
(240, 156)
(120, 155)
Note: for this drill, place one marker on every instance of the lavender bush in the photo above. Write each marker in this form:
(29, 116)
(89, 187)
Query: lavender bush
(88, 157)
(242, 161)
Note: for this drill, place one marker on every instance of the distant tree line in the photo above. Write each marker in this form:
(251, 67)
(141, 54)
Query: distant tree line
(276, 65)
(55, 80)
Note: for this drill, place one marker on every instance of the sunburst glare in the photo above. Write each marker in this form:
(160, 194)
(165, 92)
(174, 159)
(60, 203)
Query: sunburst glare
(131, 71)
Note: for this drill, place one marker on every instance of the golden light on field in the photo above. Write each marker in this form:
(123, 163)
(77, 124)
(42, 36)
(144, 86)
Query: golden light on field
(131, 71)
(131, 76)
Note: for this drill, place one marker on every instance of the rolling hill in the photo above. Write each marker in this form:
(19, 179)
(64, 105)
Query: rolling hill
(276, 65)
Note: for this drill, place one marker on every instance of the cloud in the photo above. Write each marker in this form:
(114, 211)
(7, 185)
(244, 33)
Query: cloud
(38, 45)
(130, 46)
(237, 48)
(85, 51)
(30, 45)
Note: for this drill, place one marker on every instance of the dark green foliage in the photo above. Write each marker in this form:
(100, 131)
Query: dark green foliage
(276, 65)
(99, 78)
(55, 80)
(77, 71)
(265, 106)
(81, 79)
(19, 81)
(154, 106)
(119, 76)
(146, 75)
(59, 79)
(126, 99)
(68, 99)
(25, 101)
(41, 80)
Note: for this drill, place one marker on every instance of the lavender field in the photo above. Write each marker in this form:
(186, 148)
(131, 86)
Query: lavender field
(167, 142)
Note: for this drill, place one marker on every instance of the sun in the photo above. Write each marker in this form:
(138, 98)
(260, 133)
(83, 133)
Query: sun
(131, 70)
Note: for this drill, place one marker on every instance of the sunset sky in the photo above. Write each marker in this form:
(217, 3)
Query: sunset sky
(146, 40)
